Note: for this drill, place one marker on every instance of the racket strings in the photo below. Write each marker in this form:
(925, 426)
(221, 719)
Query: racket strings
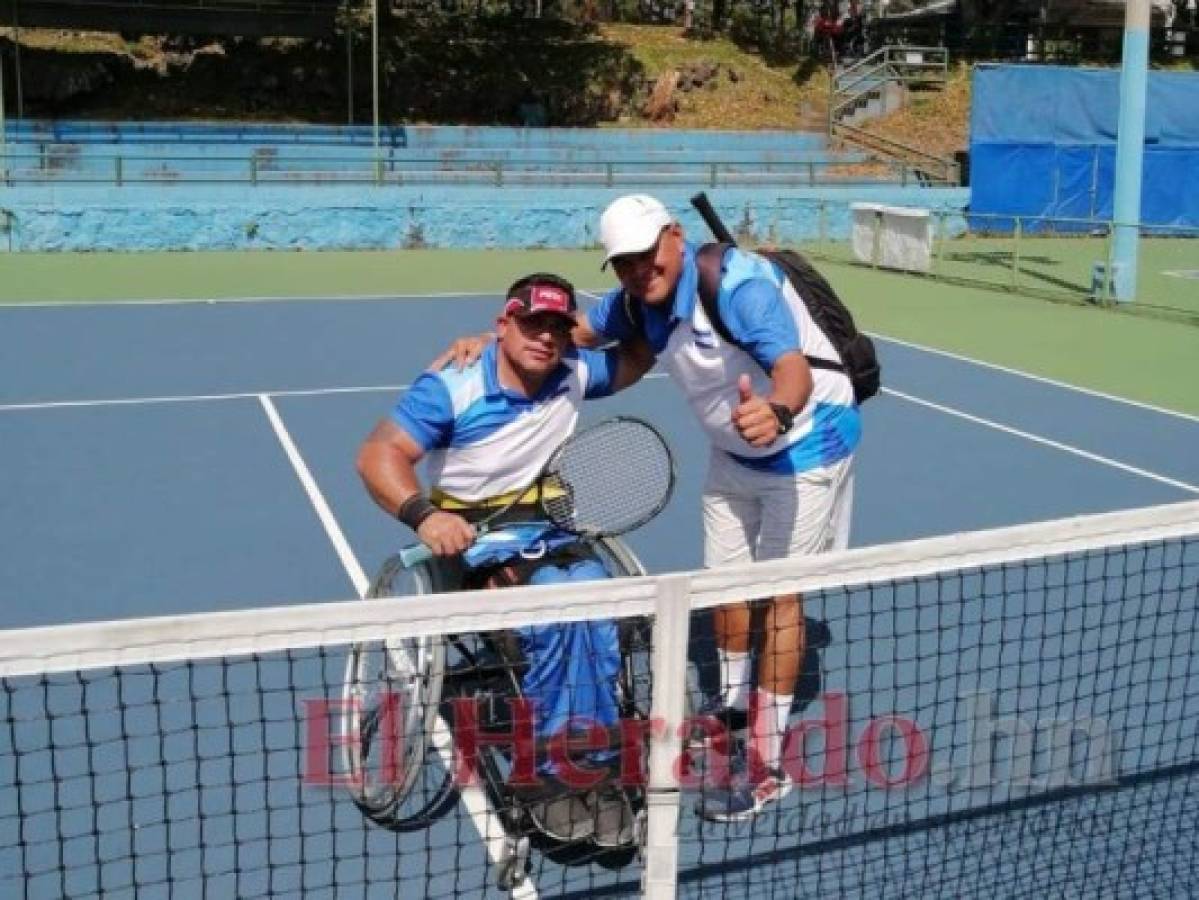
(609, 479)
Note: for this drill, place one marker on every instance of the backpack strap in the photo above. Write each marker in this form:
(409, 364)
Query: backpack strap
(633, 312)
(708, 262)
(709, 259)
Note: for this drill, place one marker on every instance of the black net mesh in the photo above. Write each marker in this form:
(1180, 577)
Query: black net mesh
(1017, 729)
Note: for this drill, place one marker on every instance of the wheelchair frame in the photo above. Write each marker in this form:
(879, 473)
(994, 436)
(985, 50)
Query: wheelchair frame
(404, 684)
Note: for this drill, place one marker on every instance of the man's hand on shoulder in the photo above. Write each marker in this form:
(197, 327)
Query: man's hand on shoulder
(466, 350)
(463, 351)
(446, 533)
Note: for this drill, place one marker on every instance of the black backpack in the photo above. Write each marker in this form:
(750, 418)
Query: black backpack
(860, 362)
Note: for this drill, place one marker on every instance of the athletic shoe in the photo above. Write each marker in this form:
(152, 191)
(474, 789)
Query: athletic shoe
(743, 799)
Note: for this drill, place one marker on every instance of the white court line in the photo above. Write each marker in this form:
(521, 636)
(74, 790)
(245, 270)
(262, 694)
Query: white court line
(1010, 371)
(474, 799)
(1037, 439)
(1064, 385)
(348, 560)
(1057, 445)
(590, 294)
(948, 410)
(1039, 378)
(201, 398)
(214, 301)
(205, 398)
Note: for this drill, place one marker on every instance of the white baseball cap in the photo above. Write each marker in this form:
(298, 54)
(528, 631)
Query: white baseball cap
(632, 224)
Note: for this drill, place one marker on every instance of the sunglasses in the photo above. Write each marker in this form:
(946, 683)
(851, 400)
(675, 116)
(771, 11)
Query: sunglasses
(536, 323)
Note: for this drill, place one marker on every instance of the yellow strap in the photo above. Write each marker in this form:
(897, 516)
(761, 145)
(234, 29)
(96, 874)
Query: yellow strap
(527, 495)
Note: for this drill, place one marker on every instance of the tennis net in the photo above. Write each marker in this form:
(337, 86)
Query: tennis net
(1004, 713)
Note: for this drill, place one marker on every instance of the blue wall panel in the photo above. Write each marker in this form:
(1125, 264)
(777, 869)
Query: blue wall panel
(1057, 158)
(314, 217)
(1075, 178)
(995, 170)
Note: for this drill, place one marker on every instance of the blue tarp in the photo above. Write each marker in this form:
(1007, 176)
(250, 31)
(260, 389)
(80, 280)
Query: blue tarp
(1043, 143)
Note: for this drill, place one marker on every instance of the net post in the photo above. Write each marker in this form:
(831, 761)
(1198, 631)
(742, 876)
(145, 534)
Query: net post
(938, 239)
(672, 621)
(876, 246)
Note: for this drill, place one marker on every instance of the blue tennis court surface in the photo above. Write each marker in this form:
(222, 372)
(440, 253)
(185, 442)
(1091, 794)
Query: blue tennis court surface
(196, 457)
(148, 472)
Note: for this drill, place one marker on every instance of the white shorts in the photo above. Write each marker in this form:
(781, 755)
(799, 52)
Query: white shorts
(752, 516)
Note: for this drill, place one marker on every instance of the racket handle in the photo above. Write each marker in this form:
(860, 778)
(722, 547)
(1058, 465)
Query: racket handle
(415, 555)
(711, 218)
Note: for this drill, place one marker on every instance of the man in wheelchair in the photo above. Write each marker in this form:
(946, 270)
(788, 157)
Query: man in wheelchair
(485, 433)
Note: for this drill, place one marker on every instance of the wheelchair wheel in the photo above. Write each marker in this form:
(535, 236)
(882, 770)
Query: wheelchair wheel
(636, 643)
(392, 693)
(626, 805)
(618, 557)
(635, 634)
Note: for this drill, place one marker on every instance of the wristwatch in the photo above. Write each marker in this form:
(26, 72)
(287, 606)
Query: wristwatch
(785, 417)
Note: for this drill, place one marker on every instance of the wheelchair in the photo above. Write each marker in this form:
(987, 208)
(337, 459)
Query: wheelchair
(398, 716)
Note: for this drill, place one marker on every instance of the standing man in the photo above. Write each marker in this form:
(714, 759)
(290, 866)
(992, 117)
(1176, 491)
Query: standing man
(783, 434)
(780, 473)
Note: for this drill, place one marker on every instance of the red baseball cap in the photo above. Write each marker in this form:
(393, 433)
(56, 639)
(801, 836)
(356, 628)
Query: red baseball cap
(536, 294)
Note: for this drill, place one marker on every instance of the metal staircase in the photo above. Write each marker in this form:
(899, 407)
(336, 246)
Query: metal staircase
(879, 84)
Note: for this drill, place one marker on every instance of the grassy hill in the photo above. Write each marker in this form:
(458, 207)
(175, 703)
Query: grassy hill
(747, 93)
(454, 72)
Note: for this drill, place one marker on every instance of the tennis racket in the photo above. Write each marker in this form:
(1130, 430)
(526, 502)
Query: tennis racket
(602, 481)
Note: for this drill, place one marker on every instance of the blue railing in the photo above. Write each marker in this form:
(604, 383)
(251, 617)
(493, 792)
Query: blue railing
(430, 138)
(73, 164)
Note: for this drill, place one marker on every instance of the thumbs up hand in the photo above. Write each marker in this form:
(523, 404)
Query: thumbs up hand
(745, 388)
(753, 418)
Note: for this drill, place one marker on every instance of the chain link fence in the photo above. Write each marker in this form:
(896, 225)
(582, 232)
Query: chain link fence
(1057, 258)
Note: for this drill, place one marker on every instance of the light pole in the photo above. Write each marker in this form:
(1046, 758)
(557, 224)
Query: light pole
(3, 125)
(375, 72)
(1130, 149)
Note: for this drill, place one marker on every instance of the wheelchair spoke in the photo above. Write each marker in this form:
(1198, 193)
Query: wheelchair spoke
(391, 694)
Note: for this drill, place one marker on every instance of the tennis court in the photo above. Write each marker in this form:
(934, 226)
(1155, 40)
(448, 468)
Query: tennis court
(188, 457)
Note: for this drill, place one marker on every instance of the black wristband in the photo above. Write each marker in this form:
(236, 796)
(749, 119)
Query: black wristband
(785, 417)
(415, 510)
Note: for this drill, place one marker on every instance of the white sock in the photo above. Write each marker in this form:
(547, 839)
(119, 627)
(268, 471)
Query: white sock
(734, 678)
(769, 727)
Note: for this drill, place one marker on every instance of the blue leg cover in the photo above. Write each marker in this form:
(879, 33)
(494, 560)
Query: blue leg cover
(572, 666)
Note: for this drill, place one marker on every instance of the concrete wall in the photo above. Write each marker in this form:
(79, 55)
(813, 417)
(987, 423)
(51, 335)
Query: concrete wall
(231, 212)
(315, 217)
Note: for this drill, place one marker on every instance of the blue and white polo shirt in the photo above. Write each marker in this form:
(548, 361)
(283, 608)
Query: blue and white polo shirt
(484, 440)
(706, 368)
